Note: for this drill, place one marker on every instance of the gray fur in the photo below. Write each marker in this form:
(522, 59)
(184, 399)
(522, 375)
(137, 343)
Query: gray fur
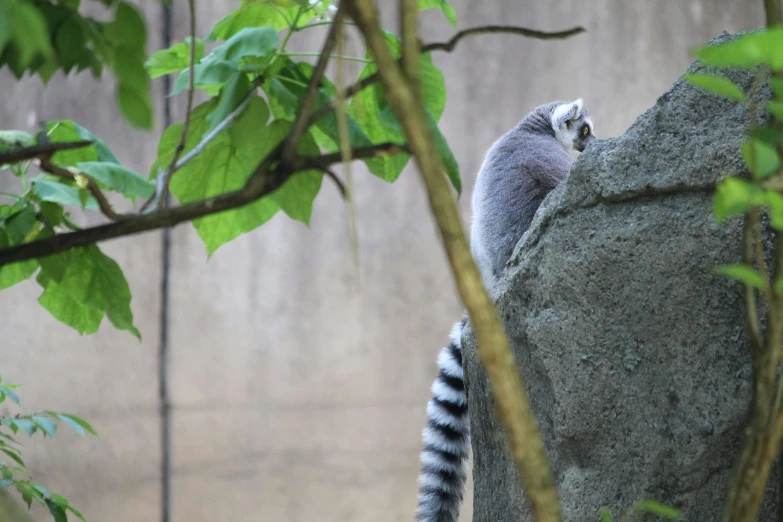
(519, 170)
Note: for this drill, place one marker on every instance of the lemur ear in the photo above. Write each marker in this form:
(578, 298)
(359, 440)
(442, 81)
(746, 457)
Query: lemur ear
(566, 112)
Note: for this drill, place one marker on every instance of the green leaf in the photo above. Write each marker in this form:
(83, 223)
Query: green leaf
(67, 130)
(10, 139)
(57, 192)
(69, 41)
(297, 194)
(776, 108)
(57, 511)
(209, 77)
(26, 425)
(93, 285)
(252, 14)
(767, 134)
(135, 105)
(735, 196)
(19, 225)
(14, 273)
(743, 273)
(285, 93)
(75, 512)
(231, 95)
(447, 158)
(746, 51)
(78, 424)
(220, 65)
(777, 86)
(25, 490)
(10, 394)
(775, 204)
(174, 59)
(716, 85)
(606, 515)
(224, 165)
(373, 114)
(128, 27)
(118, 178)
(45, 424)
(443, 5)
(761, 158)
(6, 25)
(656, 508)
(14, 456)
(51, 212)
(31, 34)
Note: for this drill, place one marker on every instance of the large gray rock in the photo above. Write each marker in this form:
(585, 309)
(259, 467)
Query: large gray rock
(634, 353)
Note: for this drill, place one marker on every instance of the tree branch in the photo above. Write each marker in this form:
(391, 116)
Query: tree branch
(448, 47)
(263, 181)
(161, 195)
(370, 151)
(500, 29)
(513, 406)
(42, 150)
(302, 121)
(103, 203)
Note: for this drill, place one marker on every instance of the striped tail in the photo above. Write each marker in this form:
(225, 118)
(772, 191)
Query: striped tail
(446, 438)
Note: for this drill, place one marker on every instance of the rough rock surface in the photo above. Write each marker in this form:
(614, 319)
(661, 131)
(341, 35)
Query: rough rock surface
(633, 352)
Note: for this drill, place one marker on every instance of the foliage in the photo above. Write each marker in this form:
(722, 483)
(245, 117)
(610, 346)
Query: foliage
(45, 37)
(14, 472)
(642, 506)
(748, 196)
(248, 52)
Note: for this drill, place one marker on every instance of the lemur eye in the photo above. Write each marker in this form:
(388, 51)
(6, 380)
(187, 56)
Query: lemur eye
(585, 130)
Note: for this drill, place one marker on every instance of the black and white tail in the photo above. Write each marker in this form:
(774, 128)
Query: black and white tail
(446, 438)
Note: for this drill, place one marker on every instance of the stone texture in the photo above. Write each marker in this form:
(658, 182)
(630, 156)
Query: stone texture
(634, 353)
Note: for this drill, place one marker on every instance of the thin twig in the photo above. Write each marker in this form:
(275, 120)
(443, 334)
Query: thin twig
(500, 29)
(160, 198)
(448, 47)
(370, 151)
(42, 150)
(346, 154)
(514, 410)
(103, 203)
(337, 181)
(301, 123)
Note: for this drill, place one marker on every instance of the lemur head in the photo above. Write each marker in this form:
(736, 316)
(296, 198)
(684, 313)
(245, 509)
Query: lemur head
(572, 125)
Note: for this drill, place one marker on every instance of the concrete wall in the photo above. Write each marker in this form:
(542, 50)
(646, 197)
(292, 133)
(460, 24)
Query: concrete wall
(297, 393)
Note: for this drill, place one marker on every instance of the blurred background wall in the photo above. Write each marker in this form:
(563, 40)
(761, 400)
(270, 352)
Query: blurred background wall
(296, 393)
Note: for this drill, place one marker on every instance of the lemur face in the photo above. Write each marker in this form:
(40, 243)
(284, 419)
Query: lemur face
(572, 125)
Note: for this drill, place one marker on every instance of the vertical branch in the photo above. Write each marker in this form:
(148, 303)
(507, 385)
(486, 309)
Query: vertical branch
(160, 198)
(300, 125)
(409, 28)
(773, 12)
(345, 154)
(513, 406)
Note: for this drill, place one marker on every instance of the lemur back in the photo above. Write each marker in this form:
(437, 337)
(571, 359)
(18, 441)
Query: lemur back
(518, 171)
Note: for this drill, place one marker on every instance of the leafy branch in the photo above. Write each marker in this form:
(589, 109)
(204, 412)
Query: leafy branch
(15, 473)
(264, 180)
(276, 167)
(747, 196)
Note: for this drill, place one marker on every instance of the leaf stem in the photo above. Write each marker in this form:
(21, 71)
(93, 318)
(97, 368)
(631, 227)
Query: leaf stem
(335, 56)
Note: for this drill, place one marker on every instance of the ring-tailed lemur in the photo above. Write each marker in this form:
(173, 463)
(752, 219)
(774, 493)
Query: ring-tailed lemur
(518, 171)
